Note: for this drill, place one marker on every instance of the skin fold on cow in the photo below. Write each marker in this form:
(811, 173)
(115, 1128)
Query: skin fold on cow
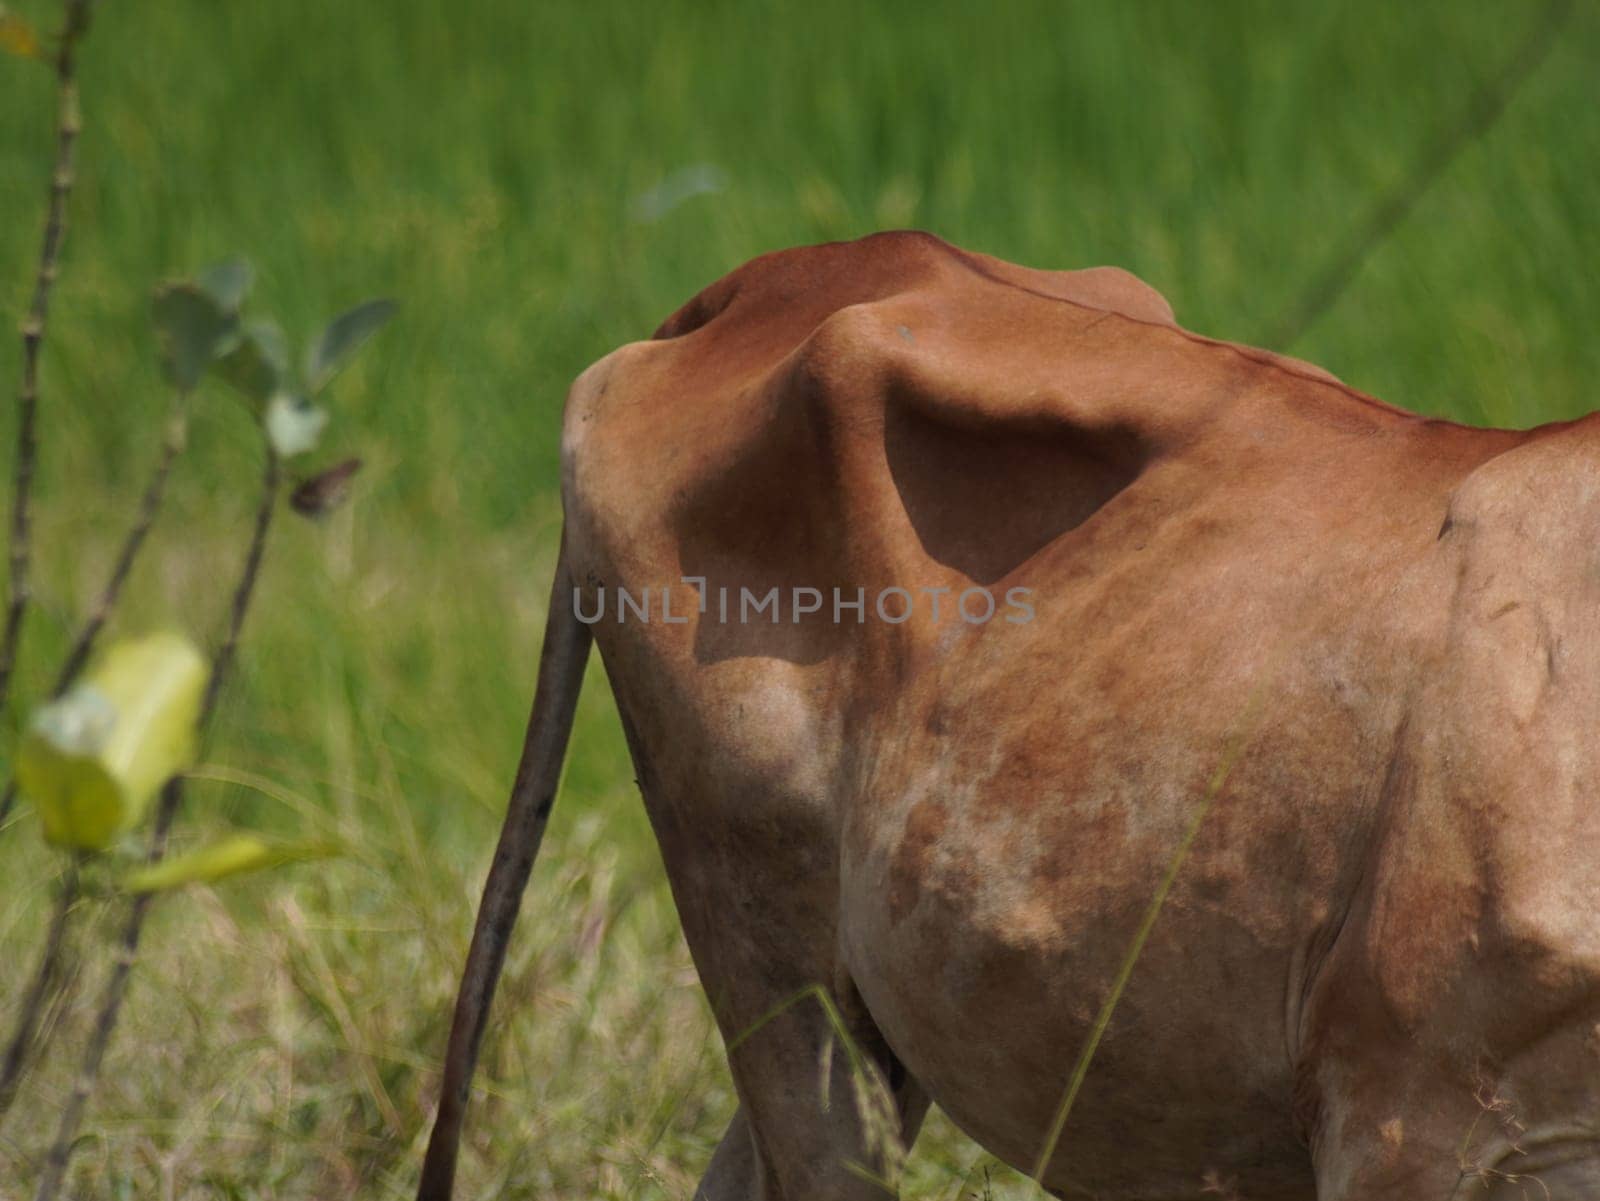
(1375, 975)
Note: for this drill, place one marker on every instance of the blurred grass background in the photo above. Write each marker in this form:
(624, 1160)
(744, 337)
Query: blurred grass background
(506, 170)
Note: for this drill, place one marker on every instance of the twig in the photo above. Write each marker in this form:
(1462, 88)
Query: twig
(271, 486)
(171, 797)
(83, 645)
(1479, 116)
(68, 126)
(149, 508)
(40, 989)
(47, 978)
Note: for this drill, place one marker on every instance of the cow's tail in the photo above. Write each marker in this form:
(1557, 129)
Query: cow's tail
(561, 664)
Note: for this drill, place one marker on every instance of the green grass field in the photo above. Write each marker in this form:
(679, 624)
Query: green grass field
(485, 164)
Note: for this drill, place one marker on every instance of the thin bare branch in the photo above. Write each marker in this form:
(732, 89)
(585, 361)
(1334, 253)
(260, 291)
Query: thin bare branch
(149, 508)
(243, 593)
(68, 125)
(46, 980)
(171, 799)
(83, 645)
(49, 976)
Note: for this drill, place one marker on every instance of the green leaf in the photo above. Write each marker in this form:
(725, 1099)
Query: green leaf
(258, 364)
(344, 336)
(193, 330)
(232, 856)
(293, 424)
(228, 282)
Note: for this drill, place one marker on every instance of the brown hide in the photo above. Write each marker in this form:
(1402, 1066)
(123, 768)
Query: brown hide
(1375, 975)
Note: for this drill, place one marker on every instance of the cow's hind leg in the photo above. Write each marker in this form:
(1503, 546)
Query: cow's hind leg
(734, 1174)
(749, 835)
(825, 1108)
(823, 1101)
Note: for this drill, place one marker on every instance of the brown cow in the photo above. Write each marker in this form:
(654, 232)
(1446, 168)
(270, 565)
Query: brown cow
(1375, 975)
